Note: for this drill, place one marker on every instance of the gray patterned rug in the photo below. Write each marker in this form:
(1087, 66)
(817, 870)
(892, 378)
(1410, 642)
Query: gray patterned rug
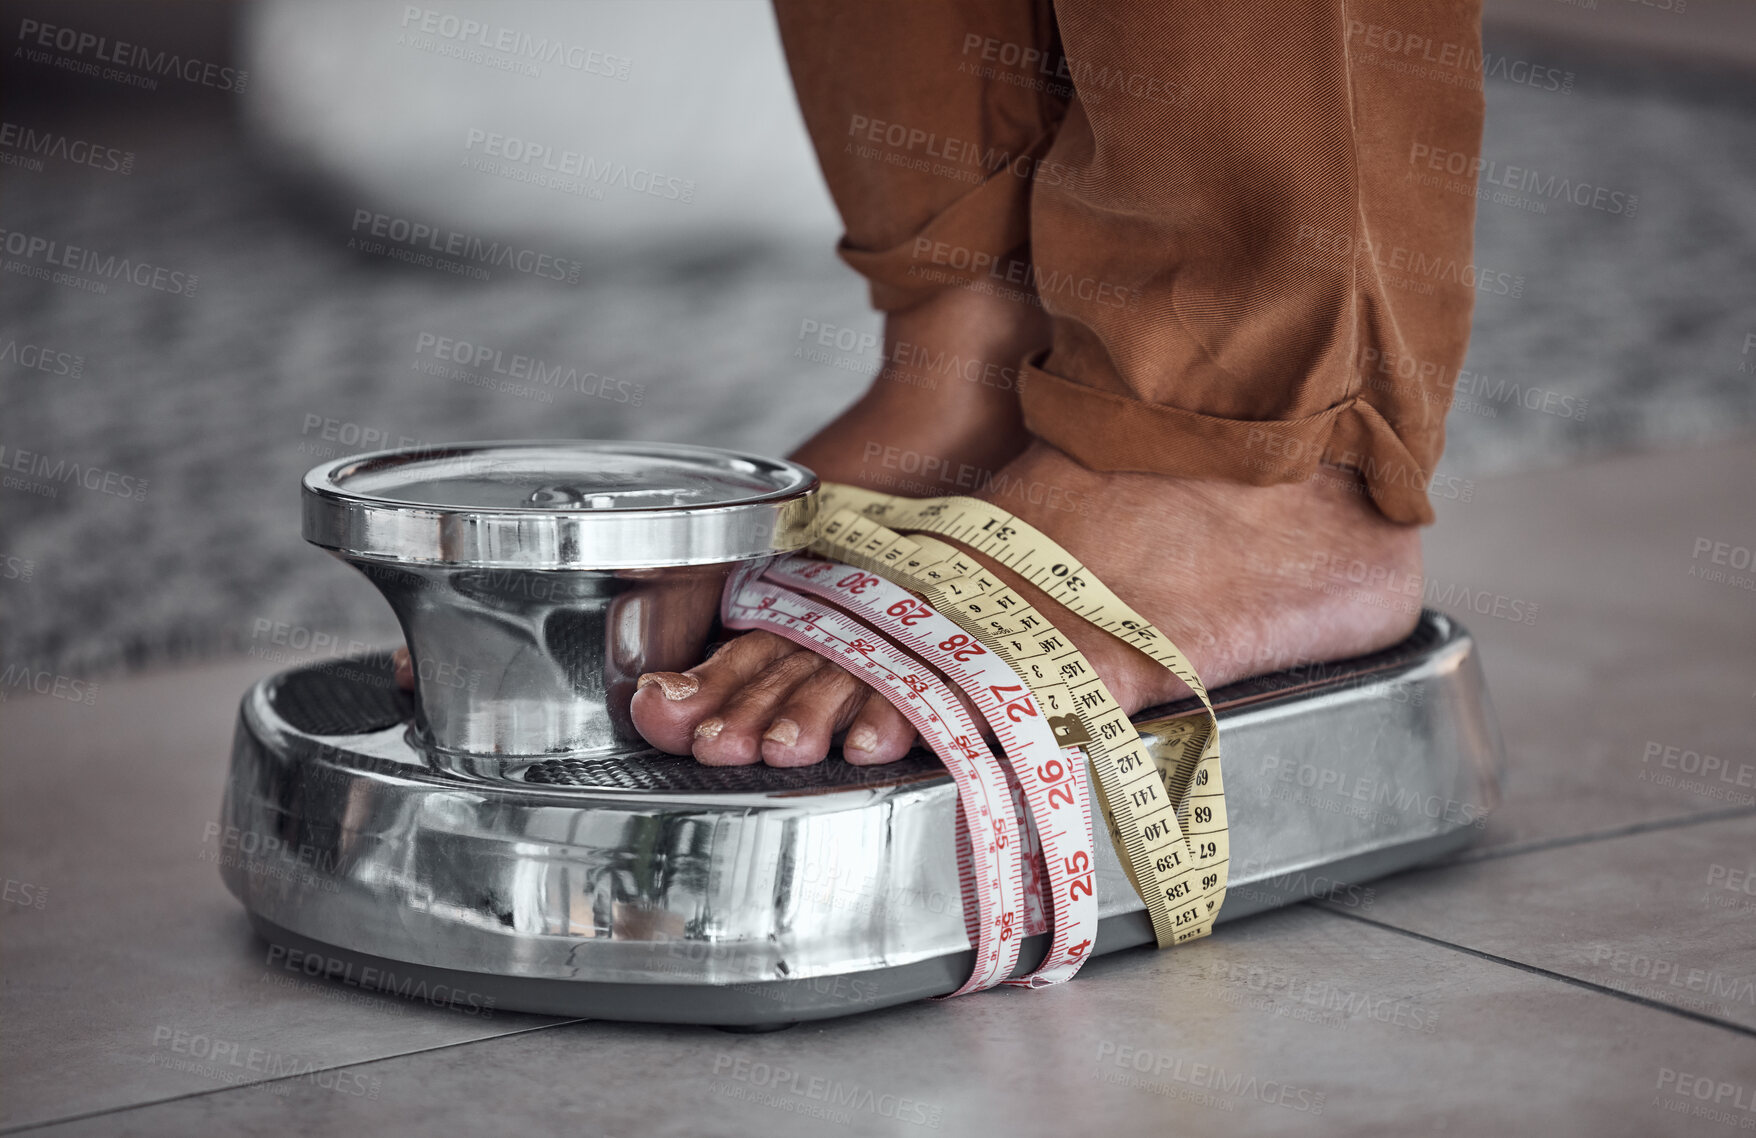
(190, 419)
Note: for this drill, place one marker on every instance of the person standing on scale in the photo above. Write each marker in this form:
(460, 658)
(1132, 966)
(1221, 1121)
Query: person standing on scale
(1176, 282)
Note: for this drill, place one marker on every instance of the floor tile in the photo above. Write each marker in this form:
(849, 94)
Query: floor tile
(1668, 915)
(137, 948)
(1630, 674)
(1300, 1022)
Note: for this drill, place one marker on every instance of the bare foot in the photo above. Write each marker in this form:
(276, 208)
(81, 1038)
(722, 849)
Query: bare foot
(940, 418)
(1244, 579)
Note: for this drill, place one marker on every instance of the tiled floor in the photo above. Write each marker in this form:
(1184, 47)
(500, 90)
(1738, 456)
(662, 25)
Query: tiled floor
(1588, 968)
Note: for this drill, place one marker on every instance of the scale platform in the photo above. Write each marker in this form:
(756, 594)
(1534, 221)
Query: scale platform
(647, 887)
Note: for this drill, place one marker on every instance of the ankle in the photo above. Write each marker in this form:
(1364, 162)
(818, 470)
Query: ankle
(945, 399)
(962, 335)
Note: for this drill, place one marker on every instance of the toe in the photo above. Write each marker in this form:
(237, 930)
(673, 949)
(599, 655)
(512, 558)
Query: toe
(800, 732)
(732, 736)
(669, 706)
(878, 734)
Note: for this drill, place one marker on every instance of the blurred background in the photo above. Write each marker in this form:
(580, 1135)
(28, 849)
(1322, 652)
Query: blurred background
(277, 199)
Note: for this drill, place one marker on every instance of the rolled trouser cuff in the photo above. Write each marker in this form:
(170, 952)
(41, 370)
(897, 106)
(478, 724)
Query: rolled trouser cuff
(1108, 432)
(974, 242)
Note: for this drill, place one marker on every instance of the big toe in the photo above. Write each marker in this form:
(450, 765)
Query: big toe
(669, 706)
(733, 736)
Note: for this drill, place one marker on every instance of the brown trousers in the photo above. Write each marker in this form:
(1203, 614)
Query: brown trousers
(1245, 221)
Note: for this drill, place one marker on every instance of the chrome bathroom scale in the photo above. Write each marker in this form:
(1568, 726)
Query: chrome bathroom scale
(502, 835)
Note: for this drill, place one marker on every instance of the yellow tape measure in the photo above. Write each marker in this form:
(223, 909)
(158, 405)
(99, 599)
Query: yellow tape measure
(1166, 816)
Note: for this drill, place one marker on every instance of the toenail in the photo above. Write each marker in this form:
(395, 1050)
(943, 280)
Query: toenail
(675, 685)
(783, 731)
(862, 738)
(708, 728)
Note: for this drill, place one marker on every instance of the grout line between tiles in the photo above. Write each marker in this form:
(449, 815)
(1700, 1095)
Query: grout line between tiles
(29, 1126)
(1533, 969)
(1540, 844)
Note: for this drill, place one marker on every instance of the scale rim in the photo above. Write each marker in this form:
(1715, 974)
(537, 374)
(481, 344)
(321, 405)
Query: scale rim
(379, 528)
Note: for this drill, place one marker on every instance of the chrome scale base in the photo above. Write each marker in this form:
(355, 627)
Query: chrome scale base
(640, 886)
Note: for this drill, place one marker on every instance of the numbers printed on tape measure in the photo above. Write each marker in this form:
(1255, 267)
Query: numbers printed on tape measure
(994, 875)
(1048, 710)
(1136, 794)
(1057, 800)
